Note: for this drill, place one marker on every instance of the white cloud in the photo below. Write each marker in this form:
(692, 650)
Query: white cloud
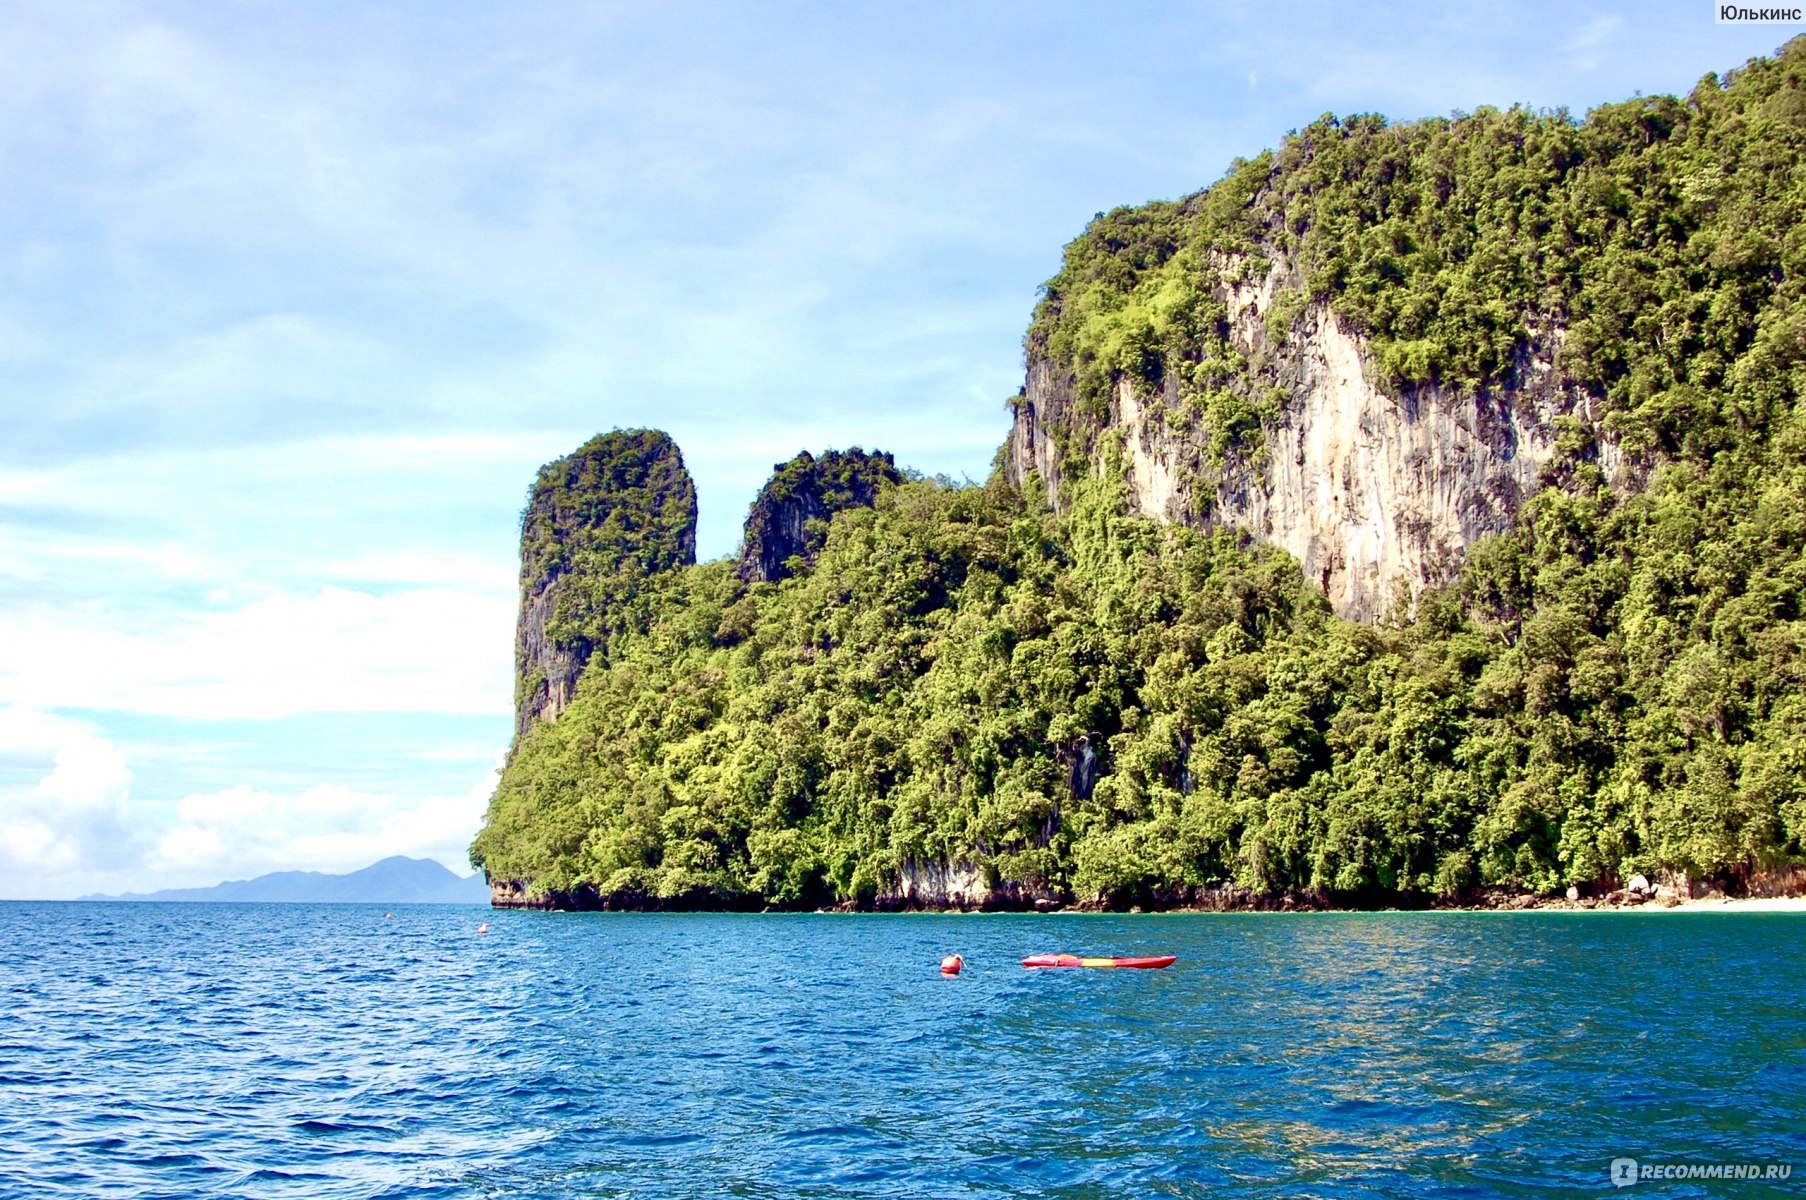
(456, 752)
(1594, 32)
(75, 817)
(420, 566)
(1588, 47)
(335, 650)
(89, 774)
(30, 736)
(389, 509)
(77, 829)
(244, 831)
(188, 846)
(274, 580)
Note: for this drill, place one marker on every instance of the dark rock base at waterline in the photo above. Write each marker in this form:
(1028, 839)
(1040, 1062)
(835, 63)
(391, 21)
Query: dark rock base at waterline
(1668, 891)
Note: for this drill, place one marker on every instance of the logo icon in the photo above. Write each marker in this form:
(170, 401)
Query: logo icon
(1624, 1172)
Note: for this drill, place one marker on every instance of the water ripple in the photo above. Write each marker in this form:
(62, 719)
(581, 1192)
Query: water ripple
(275, 1051)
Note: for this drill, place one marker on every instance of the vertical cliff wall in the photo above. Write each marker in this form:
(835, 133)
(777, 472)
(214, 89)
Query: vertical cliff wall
(619, 508)
(1377, 492)
(804, 490)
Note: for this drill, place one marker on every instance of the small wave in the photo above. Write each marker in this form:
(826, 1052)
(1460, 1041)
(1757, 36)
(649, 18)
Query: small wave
(329, 1128)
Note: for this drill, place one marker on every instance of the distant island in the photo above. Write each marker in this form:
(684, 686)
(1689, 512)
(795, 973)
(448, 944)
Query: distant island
(395, 880)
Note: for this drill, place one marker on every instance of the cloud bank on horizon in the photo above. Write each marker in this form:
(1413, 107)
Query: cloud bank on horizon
(297, 298)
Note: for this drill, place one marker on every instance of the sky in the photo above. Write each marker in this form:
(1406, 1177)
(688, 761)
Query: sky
(296, 297)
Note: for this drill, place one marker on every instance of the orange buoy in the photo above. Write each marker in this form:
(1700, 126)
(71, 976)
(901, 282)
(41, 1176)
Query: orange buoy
(951, 964)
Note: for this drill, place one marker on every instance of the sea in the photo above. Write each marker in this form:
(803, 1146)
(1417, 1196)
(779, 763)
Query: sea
(221, 1050)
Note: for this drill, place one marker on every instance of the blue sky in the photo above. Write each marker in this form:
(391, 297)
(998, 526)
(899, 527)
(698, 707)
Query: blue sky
(298, 296)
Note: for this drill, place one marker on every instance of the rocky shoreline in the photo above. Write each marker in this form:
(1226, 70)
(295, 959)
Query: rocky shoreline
(938, 888)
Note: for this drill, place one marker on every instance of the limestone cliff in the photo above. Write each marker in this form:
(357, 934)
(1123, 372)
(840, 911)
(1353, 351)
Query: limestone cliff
(619, 508)
(1378, 491)
(933, 885)
(789, 518)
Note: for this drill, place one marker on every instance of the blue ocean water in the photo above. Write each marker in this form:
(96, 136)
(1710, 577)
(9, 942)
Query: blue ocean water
(332, 1051)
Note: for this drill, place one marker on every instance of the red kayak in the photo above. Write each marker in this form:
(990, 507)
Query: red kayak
(1150, 963)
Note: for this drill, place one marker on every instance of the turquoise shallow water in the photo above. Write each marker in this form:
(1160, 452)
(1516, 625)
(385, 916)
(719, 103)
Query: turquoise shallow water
(227, 1050)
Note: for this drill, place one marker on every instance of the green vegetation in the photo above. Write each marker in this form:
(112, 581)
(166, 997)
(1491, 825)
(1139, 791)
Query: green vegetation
(1564, 715)
(1614, 687)
(598, 524)
(621, 501)
(1662, 235)
(790, 517)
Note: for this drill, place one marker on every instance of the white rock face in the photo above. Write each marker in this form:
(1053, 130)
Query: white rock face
(1377, 496)
(956, 885)
(940, 885)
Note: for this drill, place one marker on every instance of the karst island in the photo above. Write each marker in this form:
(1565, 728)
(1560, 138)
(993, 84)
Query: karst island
(1415, 516)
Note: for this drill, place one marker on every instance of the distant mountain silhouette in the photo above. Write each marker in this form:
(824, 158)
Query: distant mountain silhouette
(394, 880)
